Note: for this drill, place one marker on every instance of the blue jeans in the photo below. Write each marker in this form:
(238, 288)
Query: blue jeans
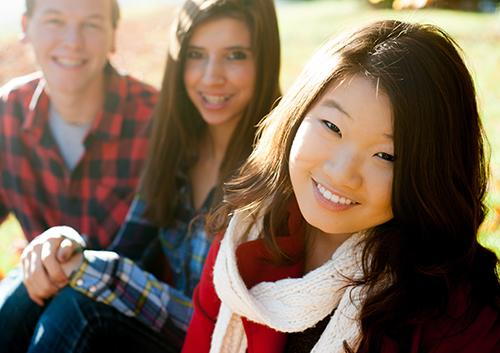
(71, 322)
(18, 314)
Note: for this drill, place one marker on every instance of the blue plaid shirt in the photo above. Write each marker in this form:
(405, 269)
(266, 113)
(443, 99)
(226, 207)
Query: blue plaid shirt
(118, 281)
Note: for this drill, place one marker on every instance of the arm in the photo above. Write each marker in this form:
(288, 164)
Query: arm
(117, 281)
(135, 234)
(4, 211)
(206, 307)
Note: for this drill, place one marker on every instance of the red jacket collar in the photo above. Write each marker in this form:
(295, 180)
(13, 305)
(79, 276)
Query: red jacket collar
(256, 263)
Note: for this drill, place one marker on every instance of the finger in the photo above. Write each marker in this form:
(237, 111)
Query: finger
(51, 264)
(73, 263)
(38, 283)
(69, 233)
(66, 250)
(28, 263)
(25, 264)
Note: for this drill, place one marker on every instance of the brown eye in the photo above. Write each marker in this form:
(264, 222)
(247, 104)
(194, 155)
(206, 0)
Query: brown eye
(54, 22)
(194, 54)
(331, 126)
(386, 156)
(237, 55)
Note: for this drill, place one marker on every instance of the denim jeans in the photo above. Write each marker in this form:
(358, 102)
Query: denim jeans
(18, 314)
(71, 322)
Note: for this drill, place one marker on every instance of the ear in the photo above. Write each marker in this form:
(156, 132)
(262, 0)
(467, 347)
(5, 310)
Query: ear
(24, 27)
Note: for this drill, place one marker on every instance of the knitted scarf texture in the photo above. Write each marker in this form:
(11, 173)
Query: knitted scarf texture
(287, 305)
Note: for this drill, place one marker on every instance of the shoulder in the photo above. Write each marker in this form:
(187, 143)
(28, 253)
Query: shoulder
(22, 86)
(138, 92)
(138, 98)
(140, 88)
(137, 210)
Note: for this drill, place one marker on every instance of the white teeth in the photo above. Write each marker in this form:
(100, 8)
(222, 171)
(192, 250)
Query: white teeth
(327, 194)
(69, 62)
(215, 99)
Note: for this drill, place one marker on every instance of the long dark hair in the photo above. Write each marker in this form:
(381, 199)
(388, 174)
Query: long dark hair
(429, 249)
(178, 126)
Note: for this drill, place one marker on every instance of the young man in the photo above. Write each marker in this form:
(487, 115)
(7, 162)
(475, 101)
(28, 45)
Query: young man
(73, 138)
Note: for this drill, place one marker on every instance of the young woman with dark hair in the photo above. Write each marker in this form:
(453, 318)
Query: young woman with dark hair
(221, 79)
(353, 225)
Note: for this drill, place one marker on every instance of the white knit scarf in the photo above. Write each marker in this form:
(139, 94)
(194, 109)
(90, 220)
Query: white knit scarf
(288, 305)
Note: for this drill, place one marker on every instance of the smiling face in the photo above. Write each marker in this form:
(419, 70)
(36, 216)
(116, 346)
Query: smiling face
(71, 41)
(219, 73)
(341, 159)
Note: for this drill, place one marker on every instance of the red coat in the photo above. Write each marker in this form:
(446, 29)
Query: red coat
(254, 264)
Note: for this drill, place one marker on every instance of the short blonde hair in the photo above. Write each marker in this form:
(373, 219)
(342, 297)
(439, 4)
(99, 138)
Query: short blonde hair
(115, 11)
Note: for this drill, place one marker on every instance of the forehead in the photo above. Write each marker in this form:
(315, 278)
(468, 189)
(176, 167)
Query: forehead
(358, 98)
(221, 31)
(74, 7)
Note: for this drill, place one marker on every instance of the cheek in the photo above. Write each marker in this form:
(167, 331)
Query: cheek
(304, 153)
(191, 72)
(243, 76)
(41, 40)
(380, 187)
(101, 44)
(306, 147)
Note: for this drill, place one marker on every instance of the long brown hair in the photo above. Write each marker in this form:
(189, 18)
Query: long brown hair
(178, 126)
(430, 247)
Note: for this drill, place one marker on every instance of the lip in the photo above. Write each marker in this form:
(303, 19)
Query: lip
(69, 63)
(215, 104)
(328, 204)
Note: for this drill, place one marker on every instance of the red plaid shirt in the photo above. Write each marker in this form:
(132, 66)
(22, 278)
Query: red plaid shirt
(38, 187)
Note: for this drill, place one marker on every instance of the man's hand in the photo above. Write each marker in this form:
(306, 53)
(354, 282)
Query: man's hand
(42, 261)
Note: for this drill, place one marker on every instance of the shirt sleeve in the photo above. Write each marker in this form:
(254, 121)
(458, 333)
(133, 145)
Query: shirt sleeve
(4, 212)
(206, 307)
(117, 281)
(135, 234)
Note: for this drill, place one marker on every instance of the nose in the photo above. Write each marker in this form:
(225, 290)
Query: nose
(73, 37)
(344, 169)
(214, 73)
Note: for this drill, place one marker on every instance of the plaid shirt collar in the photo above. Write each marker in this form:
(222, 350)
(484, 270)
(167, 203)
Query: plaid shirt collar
(107, 124)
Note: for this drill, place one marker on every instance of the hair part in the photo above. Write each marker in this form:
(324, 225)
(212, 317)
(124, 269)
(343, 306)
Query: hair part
(115, 11)
(178, 126)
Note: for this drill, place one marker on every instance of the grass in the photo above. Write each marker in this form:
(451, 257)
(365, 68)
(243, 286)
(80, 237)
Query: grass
(10, 244)
(304, 26)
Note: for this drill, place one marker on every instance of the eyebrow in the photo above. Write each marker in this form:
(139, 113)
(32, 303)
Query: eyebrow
(334, 104)
(235, 47)
(95, 16)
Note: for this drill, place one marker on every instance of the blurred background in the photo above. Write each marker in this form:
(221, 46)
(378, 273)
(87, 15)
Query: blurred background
(304, 25)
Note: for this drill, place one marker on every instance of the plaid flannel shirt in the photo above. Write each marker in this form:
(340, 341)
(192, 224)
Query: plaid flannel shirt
(116, 280)
(38, 187)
